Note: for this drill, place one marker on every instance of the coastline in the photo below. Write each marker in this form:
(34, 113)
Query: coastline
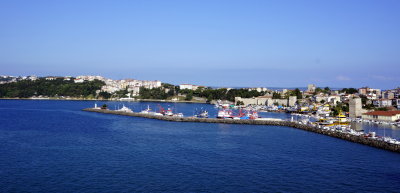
(345, 136)
(81, 99)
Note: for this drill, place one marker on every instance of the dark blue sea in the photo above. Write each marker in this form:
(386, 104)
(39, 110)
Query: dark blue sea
(53, 146)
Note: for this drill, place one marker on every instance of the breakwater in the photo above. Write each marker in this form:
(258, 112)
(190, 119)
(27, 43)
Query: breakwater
(361, 139)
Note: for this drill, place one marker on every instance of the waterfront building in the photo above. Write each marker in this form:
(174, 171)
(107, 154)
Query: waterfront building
(382, 115)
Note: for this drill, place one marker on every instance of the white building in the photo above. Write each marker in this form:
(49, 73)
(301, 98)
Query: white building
(382, 102)
(382, 115)
(132, 85)
(78, 80)
(186, 86)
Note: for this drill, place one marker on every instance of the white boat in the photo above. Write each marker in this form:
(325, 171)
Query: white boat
(224, 114)
(178, 115)
(125, 109)
(372, 135)
(146, 111)
(202, 114)
(155, 113)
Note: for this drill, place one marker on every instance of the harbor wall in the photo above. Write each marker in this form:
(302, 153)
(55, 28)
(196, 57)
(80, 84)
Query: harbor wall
(352, 138)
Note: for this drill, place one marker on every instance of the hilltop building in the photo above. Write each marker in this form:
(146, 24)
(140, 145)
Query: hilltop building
(132, 85)
(311, 88)
(189, 86)
(267, 100)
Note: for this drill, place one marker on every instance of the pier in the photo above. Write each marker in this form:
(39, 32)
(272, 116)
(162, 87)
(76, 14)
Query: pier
(362, 139)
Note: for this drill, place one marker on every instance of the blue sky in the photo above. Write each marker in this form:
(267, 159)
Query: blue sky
(350, 43)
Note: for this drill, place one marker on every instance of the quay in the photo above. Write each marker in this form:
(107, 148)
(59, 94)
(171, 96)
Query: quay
(361, 139)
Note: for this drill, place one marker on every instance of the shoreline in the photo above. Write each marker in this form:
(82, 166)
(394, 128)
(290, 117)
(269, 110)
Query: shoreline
(77, 99)
(345, 136)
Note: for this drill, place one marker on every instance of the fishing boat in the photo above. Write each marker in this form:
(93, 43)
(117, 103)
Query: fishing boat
(253, 115)
(168, 112)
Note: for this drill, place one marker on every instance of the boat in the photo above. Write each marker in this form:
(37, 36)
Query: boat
(168, 112)
(147, 110)
(178, 115)
(253, 115)
(371, 135)
(125, 109)
(202, 114)
(225, 114)
(341, 120)
(324, 122)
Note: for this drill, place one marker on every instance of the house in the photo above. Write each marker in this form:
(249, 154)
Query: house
(397, 102)
(185, 86)
(382, 102)
(370, 93)
(382, 115)
(51, 78)
(190, 86)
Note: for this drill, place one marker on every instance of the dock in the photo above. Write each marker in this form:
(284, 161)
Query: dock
(362, 139)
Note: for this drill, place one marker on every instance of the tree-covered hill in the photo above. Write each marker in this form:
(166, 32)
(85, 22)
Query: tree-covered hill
(50, 88)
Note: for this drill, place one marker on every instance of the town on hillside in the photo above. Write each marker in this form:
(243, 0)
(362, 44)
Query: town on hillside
(367, 103)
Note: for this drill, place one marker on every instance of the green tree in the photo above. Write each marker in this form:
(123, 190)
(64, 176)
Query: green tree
(349, 90)
(276, 95)
(51, 88)
(317, 90)
(189, 97)
(326, 90)
(239, 103)
(297, 93)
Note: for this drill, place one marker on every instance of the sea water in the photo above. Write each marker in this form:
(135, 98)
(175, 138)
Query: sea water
(53, 146)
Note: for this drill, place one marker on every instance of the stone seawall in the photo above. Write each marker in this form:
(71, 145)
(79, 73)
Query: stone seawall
(353, 138)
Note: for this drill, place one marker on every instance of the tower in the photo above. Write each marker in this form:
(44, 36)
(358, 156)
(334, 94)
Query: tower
(311, 88)
(355, 107)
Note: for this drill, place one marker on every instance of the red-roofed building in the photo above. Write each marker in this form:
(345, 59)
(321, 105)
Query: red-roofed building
(382, 115)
